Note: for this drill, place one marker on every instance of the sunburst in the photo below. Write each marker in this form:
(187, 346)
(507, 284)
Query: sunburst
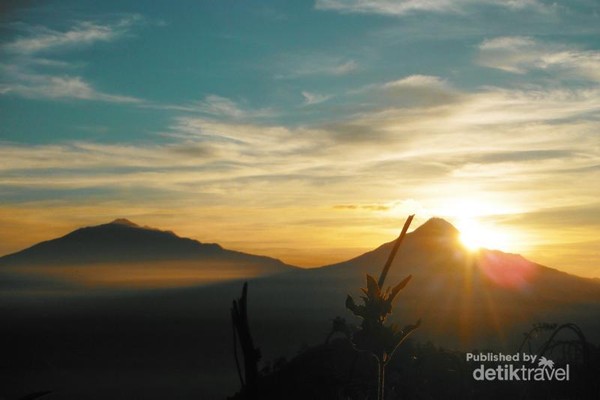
(475, 235)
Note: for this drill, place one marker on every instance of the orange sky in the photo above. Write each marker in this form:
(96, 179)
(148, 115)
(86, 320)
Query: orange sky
(322, 235)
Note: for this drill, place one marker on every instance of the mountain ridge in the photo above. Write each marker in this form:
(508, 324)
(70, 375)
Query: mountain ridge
(124, 255)
(436, 226)
(124, 236)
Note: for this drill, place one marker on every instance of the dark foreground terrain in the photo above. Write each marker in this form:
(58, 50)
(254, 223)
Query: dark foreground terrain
(82, 342)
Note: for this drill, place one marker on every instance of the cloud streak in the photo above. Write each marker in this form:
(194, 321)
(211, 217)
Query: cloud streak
(25, 73)
(413, 81)
(306, 65)
(531, 136)
(84, 33)
(519, 54)
(404, 7)
(311, 98)
(38, 86)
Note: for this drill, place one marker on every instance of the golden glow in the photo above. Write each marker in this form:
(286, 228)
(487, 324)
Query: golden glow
(472, 216)
(331, 234)
(474, 206)
(475, 235)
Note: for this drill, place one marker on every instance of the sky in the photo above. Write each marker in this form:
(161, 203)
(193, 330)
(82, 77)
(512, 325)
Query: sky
(305, 130)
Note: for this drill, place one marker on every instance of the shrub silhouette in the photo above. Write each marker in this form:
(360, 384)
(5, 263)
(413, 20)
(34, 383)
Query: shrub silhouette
(555, 347)
(374, 336)
(340, 326)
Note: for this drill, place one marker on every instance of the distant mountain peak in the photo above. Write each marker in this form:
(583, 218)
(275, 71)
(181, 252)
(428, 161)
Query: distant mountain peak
(437, 227)
(124, 222)
(122, 241)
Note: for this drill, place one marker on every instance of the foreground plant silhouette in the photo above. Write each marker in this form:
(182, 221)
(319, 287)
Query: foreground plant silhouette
(374, 336)
(241, 331)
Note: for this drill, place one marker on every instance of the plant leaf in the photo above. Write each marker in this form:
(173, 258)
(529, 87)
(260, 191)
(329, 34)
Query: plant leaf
(372, 287)
(399, 287)
(350, 304)
(408, 329)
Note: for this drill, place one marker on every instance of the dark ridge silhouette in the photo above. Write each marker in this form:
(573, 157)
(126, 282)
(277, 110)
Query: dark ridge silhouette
(437, 227)
(148, 344)
(125, 222)
(124, 241)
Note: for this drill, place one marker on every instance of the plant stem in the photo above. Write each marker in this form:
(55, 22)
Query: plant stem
(239, 315)
(388, 264)
(380, 388)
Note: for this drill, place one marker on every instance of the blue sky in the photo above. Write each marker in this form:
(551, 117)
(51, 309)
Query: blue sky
(306, 130)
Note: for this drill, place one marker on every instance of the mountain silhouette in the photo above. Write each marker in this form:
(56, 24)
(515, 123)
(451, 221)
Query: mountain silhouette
(432, 253)
(123, 240)
(464, 297)
(124, 253)
(437, 227)
(466, 300)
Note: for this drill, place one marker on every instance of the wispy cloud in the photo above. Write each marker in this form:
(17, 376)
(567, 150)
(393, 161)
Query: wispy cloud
(222, 107)
(218, 107)
(399, 8)
(27, 74)
(343, 68)
(518, 54)
(412, 89)
(83, 33)
(504, 106)
(37, 86)
(311, 98)
(417, 81)
(249, 142)
(463, 141)
(302, 65)
(419, 90)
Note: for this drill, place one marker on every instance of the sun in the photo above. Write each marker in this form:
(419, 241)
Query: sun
(475, 235)
(482, 222)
